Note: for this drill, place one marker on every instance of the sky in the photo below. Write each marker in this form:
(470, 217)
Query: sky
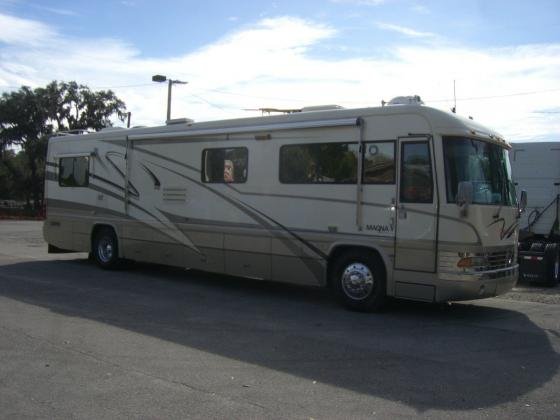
(237, 56)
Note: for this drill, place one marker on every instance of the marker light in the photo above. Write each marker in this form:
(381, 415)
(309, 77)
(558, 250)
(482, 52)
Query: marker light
(465, 262)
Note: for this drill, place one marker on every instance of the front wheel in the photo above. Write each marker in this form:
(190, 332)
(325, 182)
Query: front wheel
(359, 281)
(105, 249)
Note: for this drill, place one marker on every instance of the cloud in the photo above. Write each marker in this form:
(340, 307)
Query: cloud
(404, 30)
(56, 11)
(16, 31)
(271, 63)
(421, 9)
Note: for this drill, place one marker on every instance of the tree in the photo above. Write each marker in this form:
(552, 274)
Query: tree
(28, 117)
(7, 187)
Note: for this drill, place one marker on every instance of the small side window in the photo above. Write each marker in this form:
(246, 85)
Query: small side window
(416, 184)
(73, 171)
(379, 163)
(225, 165)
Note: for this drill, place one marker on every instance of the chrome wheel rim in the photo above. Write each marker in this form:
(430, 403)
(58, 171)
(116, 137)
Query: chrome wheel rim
(105, 250)
(357, 281)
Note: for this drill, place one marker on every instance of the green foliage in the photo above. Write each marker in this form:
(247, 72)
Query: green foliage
(6, 180)
(338, 162)
(15, 176)
(28, 117)
(72, 106)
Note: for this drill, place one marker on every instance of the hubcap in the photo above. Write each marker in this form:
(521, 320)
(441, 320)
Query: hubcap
(105, 250)
(357, 281)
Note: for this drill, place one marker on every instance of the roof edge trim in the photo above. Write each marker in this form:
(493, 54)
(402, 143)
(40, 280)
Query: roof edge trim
(341, 122)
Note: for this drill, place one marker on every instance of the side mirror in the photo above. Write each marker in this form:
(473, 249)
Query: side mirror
(464, 196)
(522, 202)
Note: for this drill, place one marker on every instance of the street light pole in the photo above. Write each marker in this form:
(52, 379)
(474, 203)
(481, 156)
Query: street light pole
(170, 83)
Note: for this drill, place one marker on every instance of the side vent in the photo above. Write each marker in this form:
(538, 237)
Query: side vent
(175, 195)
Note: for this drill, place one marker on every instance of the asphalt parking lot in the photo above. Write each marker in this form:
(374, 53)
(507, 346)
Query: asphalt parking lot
(155, 342)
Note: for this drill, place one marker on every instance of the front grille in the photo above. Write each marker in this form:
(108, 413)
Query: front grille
(494, 260)
(481, 261)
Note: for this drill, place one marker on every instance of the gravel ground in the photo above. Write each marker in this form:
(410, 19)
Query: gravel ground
(527, 292)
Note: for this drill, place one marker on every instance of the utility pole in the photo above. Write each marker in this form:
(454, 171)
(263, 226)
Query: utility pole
(454, 109)
(169, 86)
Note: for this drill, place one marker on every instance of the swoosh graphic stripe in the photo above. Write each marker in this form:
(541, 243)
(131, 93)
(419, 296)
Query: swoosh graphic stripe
(149, 152)
(293, 234)
(106, 181)
(117, 197)
(259, 219)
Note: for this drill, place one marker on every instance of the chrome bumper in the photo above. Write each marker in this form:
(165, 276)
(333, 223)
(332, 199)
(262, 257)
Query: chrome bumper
(479, 275)
(478, 285)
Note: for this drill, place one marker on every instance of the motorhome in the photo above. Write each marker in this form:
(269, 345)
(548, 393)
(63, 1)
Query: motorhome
(401, 200)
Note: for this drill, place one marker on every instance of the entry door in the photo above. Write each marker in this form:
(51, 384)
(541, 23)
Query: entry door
(379, 178)
(416, 233)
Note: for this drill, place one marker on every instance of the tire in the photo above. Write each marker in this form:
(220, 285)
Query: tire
(359, 281)
(524, 246)
(552, 257)
(105, 249)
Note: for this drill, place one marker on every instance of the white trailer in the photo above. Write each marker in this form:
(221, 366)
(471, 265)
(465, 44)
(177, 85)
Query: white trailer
(536, 169)
(403, 200)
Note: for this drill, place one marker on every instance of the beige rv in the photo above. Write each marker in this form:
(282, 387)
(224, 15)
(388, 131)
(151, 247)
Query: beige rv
(401, 200)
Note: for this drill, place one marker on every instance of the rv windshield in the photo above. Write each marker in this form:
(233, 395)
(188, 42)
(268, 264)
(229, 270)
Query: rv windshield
(485, 165)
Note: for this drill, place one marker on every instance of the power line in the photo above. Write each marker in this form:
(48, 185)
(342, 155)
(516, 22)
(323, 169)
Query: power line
(208, 102)
(476, 98)
(226, 92)
(252, 96)
(92, 87)
(123, 86)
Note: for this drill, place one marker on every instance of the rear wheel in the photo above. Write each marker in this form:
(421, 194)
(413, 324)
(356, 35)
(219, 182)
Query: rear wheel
(359, 281)
(105, 248)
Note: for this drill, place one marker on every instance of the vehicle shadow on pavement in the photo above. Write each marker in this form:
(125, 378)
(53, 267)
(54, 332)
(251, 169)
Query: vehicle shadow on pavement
(426, 356)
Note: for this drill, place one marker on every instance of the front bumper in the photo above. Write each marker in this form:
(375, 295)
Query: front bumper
(482, 284)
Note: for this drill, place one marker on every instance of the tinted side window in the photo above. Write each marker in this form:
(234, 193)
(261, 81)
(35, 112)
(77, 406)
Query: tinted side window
(227, 165)
(416, 173)
(321, 163)
(379, 163)
(73, 171)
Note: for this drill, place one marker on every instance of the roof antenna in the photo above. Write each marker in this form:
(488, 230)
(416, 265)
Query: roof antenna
(454, 109)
